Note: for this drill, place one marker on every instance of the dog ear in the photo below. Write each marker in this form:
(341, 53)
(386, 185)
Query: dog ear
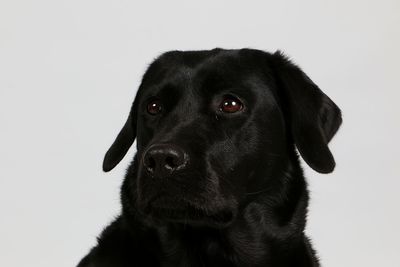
(122, 143)
(313, 117)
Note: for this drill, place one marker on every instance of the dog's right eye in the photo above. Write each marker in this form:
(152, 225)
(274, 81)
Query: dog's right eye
(230, 105)
(154, 107)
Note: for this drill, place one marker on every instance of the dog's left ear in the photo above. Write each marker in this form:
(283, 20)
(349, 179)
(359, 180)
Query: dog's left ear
(313, 117)
(122, 143)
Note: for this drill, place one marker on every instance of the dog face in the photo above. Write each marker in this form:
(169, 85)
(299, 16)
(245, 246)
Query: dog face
(213, 127)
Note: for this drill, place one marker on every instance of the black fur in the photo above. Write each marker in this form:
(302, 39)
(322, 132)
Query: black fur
(241, 200)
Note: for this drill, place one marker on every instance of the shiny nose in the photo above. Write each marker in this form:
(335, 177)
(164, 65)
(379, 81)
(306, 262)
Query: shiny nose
(163, 159)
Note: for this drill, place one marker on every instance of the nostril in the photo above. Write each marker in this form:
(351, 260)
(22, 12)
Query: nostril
(170, 162)
(150, 164)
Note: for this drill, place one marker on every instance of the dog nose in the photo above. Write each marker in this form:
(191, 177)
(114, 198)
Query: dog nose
(164, 159)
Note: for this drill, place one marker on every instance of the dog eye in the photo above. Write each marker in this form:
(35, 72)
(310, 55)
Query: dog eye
(154, 107)
(230, 105)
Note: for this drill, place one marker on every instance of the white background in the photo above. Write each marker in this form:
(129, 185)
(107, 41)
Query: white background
(68, 74)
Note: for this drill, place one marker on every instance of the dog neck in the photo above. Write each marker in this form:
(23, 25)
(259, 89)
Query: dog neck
(270, 225)
(268, 231)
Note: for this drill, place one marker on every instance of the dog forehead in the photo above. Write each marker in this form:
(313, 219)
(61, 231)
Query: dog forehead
(207, 70)
(190, 64)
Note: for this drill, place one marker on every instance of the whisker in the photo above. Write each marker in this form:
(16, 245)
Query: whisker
(257, 192)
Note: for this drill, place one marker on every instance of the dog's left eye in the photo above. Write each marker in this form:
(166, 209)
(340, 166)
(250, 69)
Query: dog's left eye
(154, 107)
(230, 105)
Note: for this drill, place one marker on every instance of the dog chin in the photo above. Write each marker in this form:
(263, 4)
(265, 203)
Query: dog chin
(162, 210)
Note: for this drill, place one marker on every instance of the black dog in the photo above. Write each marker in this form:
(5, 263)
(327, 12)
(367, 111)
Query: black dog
(216, 180)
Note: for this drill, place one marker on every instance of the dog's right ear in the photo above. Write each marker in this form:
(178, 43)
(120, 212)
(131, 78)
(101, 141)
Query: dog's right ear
(122, 143)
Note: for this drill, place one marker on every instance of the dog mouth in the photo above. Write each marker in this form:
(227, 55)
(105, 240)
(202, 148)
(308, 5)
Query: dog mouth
(164, 209)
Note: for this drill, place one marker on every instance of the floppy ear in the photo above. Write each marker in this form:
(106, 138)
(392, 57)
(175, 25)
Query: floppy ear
(313, 117)
(122, 143)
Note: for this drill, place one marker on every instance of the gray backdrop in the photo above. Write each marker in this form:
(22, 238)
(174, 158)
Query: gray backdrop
(70, 69)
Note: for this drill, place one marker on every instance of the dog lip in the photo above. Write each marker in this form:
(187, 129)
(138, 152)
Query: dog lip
(165, 208)
(194, 216)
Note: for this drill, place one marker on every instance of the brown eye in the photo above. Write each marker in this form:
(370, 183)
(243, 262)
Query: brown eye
(154, 107)
(231, 105)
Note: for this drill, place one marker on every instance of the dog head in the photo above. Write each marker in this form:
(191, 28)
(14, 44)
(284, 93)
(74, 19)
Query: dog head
(213, 126)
